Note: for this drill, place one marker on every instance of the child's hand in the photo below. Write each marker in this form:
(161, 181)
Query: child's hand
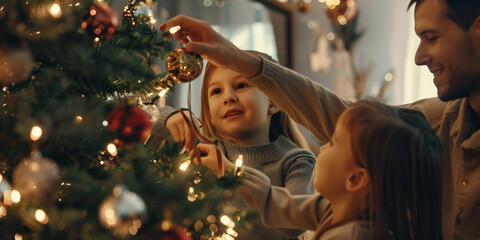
(208, 158)
(180, 130)
(212, 46)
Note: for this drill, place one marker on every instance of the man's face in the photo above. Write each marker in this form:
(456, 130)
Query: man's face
(447, 50)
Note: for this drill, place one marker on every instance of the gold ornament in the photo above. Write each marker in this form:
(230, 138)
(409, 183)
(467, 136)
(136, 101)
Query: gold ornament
(37, 179)
(123, 213)
(183, 66)
(16, 63)
(143, 13)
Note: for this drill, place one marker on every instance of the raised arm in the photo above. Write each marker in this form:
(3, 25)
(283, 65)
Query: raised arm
(306, 101)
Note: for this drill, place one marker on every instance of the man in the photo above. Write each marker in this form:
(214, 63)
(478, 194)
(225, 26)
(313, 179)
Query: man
(450, 46)
(449, 32)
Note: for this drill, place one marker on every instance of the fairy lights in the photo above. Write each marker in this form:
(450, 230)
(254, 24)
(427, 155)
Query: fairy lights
(18, 236)
(238, 164)
(55, 10)
(36, 133)
(227, 221)
(112, 149)
(15, 196)
(184, 165)
(41, 216)
(174, 29)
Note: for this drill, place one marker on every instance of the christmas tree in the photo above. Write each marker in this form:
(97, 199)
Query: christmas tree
(76, 160)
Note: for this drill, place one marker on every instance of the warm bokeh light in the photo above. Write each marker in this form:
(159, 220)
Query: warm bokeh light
(388, 77)
(3, 211)
(184, 165)
(55, 10)
(112, 149)
(227, 221)
(163, 92)
(78, 119)
(41, 216)
(166, 225)
(16, 196)
(36, 133)
(18, 236)
(232, 232)
(174, 29)
(239, 161)
(342, 20)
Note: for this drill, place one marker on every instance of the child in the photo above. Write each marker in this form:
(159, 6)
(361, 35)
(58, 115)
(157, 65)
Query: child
(379, 177)
(244, 121)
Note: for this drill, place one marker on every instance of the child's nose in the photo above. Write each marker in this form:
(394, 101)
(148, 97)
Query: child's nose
(230, 97)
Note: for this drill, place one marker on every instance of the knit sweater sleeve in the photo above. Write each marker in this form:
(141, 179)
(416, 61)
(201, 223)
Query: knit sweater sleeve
(298, 172)
(306, 101)
(277, 207)
(159, 128)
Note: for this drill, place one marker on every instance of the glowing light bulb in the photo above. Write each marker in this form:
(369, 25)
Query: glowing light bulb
(16, 196)
(112, 149)
(238, 164)
(227, 221)
(55, 10)
(174, 29)
(18, 236)
(36, 133)
(41, 216)
(184, 165)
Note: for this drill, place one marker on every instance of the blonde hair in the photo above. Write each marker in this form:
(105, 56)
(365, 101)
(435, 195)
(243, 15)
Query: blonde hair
(280, 123)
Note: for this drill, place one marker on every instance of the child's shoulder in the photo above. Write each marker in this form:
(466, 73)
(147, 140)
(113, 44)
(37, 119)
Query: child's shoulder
(355, 230)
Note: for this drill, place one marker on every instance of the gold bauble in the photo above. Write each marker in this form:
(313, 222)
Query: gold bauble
(183, 66)
(16, 63)
(37, 179)
(122, 212)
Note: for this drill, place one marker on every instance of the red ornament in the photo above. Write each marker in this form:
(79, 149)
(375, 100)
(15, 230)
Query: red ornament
(101, 21)
(131, 124)
(173, 233)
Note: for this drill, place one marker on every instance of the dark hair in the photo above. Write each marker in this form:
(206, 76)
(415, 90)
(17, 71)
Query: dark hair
(280, 124)
(403, 156)
(462, 12)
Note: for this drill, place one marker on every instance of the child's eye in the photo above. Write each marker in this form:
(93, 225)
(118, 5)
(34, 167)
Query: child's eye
(242, 85)
(215, 92)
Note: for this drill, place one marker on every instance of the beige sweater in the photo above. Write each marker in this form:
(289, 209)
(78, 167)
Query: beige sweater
(457, 125)
(284, 164)
(280, 209)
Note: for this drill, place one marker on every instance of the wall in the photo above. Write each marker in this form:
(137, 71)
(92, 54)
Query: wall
(383, 45)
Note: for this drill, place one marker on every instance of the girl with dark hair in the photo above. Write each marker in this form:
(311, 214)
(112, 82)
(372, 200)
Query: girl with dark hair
(379, 178)
(243, 121)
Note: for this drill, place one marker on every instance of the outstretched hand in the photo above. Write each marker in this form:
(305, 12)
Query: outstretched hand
(180, 130)
(209, 158)
(212, 46)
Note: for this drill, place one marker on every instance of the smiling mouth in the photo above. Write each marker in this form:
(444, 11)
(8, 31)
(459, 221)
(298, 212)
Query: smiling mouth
(437, 73)
(232, 114)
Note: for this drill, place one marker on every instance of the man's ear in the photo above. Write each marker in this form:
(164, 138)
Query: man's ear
(357, 180)
(272, 108)
(475, 27)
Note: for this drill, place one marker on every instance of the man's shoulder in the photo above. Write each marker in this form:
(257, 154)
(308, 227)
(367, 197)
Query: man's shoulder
(434, 109)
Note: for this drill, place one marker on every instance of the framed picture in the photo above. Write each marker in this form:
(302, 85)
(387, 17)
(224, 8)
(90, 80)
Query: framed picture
(282, 17)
